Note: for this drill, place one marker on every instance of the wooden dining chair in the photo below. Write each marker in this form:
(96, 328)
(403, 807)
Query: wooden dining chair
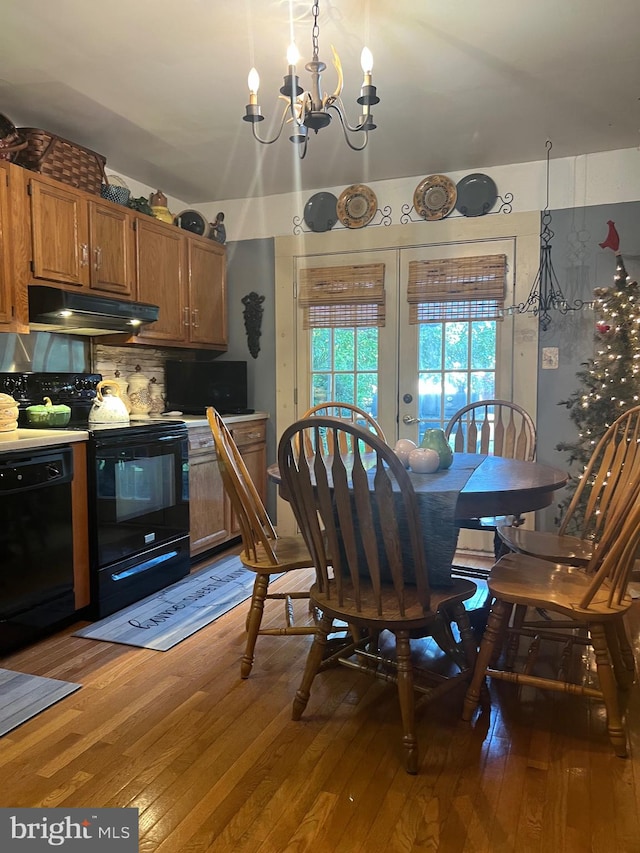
(263, 551)
(495, 428)
(613, 468)
(361, 509)
(346, 412)
(599, 500)
(594, 598)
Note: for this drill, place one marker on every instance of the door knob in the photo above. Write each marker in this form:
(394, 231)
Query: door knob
(407, 419)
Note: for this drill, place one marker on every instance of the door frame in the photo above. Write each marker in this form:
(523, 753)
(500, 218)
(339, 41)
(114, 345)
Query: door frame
(523, 228)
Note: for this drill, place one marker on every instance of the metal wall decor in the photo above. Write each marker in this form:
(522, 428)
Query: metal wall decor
(546, 294)
(252, 314)
(409, 212)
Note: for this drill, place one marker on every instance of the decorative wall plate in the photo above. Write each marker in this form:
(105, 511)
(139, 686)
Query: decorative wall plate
(357, 206)
(435, 197)
(477, 194)
(320, 212)
(192, 221)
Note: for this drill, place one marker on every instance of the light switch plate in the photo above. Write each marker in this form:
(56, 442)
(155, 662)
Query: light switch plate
(549, 358)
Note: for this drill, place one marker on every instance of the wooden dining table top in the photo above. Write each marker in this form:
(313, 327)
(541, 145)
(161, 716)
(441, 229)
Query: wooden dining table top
(497, 486)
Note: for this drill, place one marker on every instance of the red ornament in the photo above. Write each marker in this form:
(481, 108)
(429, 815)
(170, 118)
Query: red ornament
(612, 241)
(602, 328)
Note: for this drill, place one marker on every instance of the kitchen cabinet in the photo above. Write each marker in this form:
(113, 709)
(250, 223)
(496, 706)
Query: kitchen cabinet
(212, 520)
(186, 276)
(79, 240)
(13, 301)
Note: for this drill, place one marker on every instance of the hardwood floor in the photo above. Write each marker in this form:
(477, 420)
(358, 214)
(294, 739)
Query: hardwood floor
(214, 763)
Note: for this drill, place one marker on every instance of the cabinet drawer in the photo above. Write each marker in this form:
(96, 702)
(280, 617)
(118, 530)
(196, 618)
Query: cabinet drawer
(201, 440)
(253, 432)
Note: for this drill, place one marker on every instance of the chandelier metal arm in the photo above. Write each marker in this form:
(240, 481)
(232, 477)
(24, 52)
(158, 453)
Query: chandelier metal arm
(346, 129)
(283, 120)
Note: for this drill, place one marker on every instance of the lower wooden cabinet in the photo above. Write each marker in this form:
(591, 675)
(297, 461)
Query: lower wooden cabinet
(212, 520)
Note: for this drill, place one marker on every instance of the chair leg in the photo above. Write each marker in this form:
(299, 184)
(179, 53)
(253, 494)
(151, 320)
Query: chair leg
(520, 611)
(467, 634)
(314, 661)
(623, 676)
(254, 618)
(406, 696)
(608, 687)
(626, 649)
(499, 611)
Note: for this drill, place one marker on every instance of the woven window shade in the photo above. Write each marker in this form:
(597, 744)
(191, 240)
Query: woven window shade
(457, 288)
(342, 296)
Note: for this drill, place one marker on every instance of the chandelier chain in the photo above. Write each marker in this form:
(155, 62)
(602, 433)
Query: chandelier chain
(315, 32)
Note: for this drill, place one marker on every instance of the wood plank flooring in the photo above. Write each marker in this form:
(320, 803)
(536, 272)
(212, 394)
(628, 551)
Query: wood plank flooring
(214, 763)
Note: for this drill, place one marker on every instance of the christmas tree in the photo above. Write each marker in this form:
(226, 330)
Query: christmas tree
(610, 381)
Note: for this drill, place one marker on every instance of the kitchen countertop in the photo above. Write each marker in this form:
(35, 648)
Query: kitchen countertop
(196, 420)
(26, 439)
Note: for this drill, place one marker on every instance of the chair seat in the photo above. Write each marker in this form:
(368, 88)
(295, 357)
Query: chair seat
(521, 579)
(291, 553)
(367, 610)
(549, 546)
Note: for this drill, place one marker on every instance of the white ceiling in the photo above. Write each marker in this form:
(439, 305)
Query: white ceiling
(159, 86)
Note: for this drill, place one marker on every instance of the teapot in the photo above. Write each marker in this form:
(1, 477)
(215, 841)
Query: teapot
(108, 408)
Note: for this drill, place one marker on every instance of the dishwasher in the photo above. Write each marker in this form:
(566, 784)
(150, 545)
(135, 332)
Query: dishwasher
(36, 543)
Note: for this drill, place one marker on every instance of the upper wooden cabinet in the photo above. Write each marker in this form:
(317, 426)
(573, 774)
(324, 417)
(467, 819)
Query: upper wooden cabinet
(186, 276)
(52, 233)
(160, 251)
(79, 241)
(207, 286)
(13, 301)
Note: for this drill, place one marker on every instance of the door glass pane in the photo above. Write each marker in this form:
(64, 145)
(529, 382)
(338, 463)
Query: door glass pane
(457, 363)
(353, 375)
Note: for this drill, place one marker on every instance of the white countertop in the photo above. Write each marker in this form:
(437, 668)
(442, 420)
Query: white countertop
(25, 439)
(196, 420)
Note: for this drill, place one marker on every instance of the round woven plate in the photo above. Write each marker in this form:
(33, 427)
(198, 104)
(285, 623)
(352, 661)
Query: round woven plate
(357, 206)
(435, 197)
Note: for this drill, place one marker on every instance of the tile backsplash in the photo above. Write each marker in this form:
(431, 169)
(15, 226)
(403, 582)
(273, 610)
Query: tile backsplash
(107, 359)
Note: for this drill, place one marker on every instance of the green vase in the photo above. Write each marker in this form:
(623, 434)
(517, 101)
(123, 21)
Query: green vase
(435, 439)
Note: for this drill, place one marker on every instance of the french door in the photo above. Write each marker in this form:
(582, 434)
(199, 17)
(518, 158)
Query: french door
(408, 376)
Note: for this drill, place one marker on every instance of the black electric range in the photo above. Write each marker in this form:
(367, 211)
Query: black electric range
(138, 491)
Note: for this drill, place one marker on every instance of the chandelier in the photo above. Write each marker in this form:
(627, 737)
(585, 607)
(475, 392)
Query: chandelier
(546, 294)
(310, 109)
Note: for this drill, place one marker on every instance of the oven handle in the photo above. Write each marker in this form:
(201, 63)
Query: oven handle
(144, 567)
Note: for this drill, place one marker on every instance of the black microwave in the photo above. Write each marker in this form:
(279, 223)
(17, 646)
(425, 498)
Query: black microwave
(191, 386)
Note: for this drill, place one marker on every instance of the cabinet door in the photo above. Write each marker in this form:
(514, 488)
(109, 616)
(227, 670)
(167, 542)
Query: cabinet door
(250, 437)
(5, 269)
(112, 249)
(207, 292)
(60, 231)
(160, 264)
(209, 509)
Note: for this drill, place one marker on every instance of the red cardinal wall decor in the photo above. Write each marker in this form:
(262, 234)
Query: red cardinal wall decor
(612, 241)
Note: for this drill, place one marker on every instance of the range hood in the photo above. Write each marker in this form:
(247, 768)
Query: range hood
(79, 313)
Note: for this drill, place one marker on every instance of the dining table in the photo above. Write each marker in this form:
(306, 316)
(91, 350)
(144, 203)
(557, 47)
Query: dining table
(474, 486)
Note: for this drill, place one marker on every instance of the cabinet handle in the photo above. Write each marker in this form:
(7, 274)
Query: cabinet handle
(84, 257)
(186, 316)
(98, 254)
(196, 317)
(254, 435)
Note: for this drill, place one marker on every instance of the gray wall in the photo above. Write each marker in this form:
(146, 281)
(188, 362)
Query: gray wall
(251, 267)
(580, 265)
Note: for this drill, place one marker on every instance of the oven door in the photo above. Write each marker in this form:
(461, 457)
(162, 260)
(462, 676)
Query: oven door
(140, 493)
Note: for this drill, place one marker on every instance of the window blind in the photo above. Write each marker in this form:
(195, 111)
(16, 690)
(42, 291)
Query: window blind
(332, 297)
(457, 288)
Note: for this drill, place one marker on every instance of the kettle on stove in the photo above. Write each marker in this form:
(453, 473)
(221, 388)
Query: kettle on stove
(108, 408)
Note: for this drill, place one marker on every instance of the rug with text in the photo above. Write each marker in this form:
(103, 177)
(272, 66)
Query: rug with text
(164, 619)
